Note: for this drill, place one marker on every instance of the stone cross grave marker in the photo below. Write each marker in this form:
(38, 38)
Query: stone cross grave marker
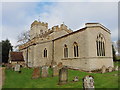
(88, 82)
(36, 73)
(110, 69)
(55, 70)
(44, 71)
(17, 67)
(103, 70)
(63, 75)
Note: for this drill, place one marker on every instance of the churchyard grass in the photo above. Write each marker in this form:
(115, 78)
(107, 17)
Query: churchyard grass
(23, 80)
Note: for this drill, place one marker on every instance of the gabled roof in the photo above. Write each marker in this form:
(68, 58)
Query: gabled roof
(16, 56)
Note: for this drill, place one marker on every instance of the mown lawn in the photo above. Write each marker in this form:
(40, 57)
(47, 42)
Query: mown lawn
(23, 80)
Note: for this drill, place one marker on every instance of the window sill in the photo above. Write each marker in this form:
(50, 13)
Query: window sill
(70, 58)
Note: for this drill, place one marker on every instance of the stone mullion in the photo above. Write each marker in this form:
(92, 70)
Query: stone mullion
(104, 48)
(97, 48)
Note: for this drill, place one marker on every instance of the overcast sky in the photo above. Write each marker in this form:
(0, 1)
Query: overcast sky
(17, 16)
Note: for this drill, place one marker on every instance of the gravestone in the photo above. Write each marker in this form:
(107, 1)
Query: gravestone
(110, 69)
(17, 67)
(76, 79)
(36, 73)
(88, 82)
(44, 71)
(116, 68)
(63, 75)
(103, 70)
(60, 65)
(55, 70)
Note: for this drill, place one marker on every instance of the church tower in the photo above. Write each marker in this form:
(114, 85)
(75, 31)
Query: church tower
(38, 28)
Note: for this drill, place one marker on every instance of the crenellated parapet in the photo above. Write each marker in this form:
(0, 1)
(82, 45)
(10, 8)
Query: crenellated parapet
(60, 28)
(39, 23)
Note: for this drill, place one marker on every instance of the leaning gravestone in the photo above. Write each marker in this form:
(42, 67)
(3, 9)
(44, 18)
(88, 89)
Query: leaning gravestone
(63, 75)
(88, 82)
(36, 73)
(116, 68)
(44, 71)
(17, 67)
(55, 70)
(110, 69)
(103, 70)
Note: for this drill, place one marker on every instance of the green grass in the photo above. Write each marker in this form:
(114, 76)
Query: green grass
(23, 80)
(116, 63)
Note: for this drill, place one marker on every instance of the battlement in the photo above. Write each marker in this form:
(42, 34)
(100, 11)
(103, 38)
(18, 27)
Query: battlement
(39, 23)
(61, 27)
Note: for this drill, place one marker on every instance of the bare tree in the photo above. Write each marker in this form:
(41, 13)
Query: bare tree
(24, 37)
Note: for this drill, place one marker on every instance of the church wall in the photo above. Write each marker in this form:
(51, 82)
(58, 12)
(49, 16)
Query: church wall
(92, 41)
(30, 56)
(24, 54)
(97, 63)
(94, 60)
(79, 37)
(39, 59)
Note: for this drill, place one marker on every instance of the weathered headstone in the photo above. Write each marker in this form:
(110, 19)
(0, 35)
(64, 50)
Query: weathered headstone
(36, 73)
(55, 70)
(110, 69)
(116, 68)
(76, 79)
(17, 67)
(60, 65)
(44, 71)
(88, 82)
(103, 70)
(63, 75)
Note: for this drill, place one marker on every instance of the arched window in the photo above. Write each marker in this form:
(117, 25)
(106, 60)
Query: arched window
(45, 52)
(100, 44)
(76, 50)
(65, 51)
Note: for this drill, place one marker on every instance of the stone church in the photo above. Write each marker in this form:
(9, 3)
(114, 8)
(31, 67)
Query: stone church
(88, 48)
